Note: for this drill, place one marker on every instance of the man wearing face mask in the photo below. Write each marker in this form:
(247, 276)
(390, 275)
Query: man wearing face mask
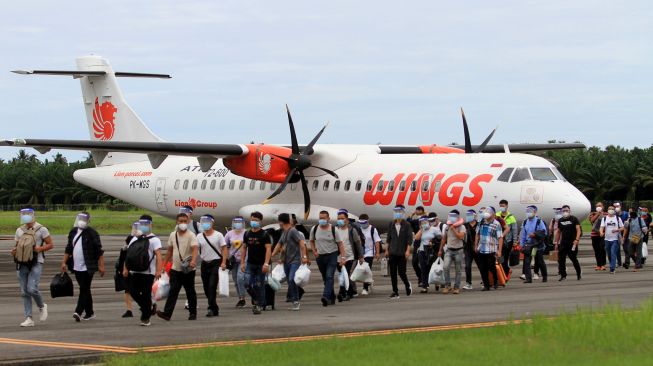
(533, 237)
(372, 246)
(511, 232)
(470, 252)
(234, 240)
(426, 238)
(597, 241)
(327, 244)
(351, 240)
(453, 238)
(83, 256)
(214, 253)
(400, 238)
(611, 229)
(489, 240)
(566, 240)
(33, 240)
(193, 227)
(258, 251)
(636, 228)
(182, 251)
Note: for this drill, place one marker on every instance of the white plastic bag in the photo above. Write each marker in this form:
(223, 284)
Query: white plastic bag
(344, 278)
(274, 284)
(384, 267)
(223, 283)
(278, 273)
(436, 274)
(302, 275)
(161, 288)
(644, 250)
(362, 273)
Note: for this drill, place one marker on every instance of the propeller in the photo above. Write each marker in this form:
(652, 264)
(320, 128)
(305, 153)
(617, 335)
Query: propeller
(468, 140)
(298, 161)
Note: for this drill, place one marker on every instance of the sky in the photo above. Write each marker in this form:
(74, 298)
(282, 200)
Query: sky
(378, 71)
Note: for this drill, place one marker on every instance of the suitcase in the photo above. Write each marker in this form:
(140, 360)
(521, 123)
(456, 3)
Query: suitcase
(269, 298)
(501, 274)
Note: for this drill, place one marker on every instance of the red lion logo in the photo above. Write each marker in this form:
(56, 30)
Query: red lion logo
(103, 124)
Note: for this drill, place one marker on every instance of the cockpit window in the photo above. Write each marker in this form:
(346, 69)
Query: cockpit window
(560, 176)
(505, 175)
(544, 174)
(521, 174)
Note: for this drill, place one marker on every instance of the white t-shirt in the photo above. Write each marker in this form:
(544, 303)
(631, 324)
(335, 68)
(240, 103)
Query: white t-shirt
(427, 236)
(40, 237)
(611, 223)
(370, 242)
(155, 244)
(207, 253)
(78, 253)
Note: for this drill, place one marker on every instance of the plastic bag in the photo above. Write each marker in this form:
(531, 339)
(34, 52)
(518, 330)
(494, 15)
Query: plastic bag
(344, 278)
(61, 285)
(644, 250)
(274, 284)
(223, 283)
(436, 274)
(302, 275)
(278, 273)
(384, 267)
(362, 273)
(161, 287)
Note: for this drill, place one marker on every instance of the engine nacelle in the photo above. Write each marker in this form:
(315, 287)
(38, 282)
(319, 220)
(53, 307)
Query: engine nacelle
(436, 149)
(260, 163)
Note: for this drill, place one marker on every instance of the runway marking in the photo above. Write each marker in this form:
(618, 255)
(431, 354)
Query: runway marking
(77, 346)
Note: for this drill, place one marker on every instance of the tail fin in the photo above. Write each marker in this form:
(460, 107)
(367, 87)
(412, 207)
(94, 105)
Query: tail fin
(108, 116)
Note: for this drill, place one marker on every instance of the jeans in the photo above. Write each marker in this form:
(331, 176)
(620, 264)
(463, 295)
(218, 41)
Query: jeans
(423, 258)
(612, 248)
(470, 257)
(397, 265)
(564, 251)
(539, 264)
(599, 250)
(29, 279)
(140, 289)
(293, 289)
(85, 300)
(256, 283)
(239, 279)
(457, 257)
(327, 264)
(209, 271)
(487, 265)
(636, 254)
(370, 261)
(177, 281)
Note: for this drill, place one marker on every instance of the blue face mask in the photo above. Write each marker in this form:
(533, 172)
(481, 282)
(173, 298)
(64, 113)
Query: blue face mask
(238, 225)
(340, 223)
(469, 218)
(25, 219)
(255, 224)
(398, 216)
(365, 225)
(453, 218)
(322, 222)
(206, 226)
(144, 229)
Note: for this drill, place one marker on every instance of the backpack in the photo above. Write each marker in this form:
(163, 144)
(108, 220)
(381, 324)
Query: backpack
(357, 227)
(314, 231)
(138, 256)
(25, 246)
(542, 244)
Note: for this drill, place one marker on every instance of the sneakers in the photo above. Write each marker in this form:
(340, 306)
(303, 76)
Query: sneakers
(295, 306)
(562, 278)
(256, 310)
(612, 272)
(445, 290)
(211, 314)
(128, 314)
(536, 276)
(456, 291)
(77, 317)
(44, 313)
(241, 303)
(409, 290)
(163, 315)
(28, 322)
(523, 277)
(186, 306)
(192, 317)
(325, 301)
(394, 296)
(364, 293)
(424, 290)
(468, 286)
(146, 323)
(88, 317)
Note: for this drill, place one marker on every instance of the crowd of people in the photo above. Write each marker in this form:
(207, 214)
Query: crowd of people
(491, 238)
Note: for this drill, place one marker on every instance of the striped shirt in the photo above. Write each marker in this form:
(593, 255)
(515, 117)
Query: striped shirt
(489, 235)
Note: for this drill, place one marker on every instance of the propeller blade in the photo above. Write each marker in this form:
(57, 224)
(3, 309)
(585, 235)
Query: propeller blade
(308, 150)
(484, 144)
(330, 172)
(468, 140)
(293, 136)
(287, 160)
(307, 196)
(281, 187)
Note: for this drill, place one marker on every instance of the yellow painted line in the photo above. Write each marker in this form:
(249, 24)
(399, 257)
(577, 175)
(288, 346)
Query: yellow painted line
(77, 346)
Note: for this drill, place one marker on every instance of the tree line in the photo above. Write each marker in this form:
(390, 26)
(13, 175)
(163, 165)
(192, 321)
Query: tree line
(612, 173)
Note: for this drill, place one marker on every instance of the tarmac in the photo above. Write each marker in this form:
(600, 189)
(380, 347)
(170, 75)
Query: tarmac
(60, 340)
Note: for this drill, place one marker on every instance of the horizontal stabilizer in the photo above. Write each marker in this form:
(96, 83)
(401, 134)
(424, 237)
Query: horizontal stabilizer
(78, 74)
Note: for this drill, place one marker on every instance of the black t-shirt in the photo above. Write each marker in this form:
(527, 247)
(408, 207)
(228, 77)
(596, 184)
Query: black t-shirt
(567, 227)
(256, 242)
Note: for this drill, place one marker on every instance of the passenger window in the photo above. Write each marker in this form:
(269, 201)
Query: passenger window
(213, 182)
(204, 185)
(379, 186)
(194, 187)
(262, 187)
(177, 182)
(325, 187)
(543, 174)
(391, 186)
(402, 186)
(413, 186)
(347, 186)
(359, 185)
(336, 185)
(425, 186)
(222, 184)
(252, 185)
(241, 185)
(437, 186)
(232, 184)
(273, 186)
(521, 174)
(505, 175)
(315, 185)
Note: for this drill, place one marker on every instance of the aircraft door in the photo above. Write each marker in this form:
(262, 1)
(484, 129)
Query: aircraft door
(160, 195)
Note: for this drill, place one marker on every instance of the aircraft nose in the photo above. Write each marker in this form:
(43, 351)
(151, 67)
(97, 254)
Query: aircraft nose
(580, 205)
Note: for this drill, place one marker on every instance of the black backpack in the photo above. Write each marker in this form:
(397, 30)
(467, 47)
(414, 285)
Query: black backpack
(357, 227)
(138, 256)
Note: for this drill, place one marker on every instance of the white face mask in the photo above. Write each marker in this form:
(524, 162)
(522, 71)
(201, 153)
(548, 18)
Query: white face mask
(486, 215)
(599, 209)
(530, 214)
(182, 227)
(82, 224)
(610, 212)
(566, 214)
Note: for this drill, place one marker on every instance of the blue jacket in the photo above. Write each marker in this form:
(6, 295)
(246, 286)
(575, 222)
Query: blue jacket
(531, 226)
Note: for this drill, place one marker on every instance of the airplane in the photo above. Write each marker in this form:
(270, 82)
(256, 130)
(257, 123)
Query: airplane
(224, 180)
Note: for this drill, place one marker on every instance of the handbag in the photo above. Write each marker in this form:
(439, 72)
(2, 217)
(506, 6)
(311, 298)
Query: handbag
(61, 285)
(185, 262)
(553, 256)
(513, 260)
